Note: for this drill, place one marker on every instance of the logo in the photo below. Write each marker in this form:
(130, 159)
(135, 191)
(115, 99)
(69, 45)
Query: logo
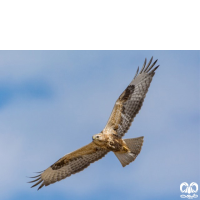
(190, 189)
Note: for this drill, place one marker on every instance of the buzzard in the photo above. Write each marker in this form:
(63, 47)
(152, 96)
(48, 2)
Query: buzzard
(110, 139)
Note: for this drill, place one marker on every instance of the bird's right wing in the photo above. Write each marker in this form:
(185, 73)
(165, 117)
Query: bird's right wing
(130, 101)
(70, 164)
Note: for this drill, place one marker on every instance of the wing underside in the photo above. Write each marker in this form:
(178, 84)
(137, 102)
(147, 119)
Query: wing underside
(69, 164)
(130, 101)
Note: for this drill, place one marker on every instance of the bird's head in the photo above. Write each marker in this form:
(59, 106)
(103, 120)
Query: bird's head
(98, 138)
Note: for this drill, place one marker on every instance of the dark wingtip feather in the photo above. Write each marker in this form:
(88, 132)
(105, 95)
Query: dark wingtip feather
(148, 64)
(39, 172)
(38, 179)
(37, 183)
(152, 65)
(34, 180)
(147, 69)
(41, 186)
(34, 176)
(143, 65)
(155, 69)
(136, 72)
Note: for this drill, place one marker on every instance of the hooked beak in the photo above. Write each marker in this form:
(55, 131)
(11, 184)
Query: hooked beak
(93, 137)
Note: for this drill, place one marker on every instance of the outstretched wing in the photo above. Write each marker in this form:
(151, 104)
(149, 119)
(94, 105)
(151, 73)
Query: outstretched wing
(130, 101)
(70, 164)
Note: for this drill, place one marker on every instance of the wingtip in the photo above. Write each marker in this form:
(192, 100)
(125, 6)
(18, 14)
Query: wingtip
(136, 72)
(146, 68)
(151, 58)
(34, 176)
(40, 186)
(145, 61)
(155, 68)
(147, 71)
(34, 180)
(39, 172)
(37, 183)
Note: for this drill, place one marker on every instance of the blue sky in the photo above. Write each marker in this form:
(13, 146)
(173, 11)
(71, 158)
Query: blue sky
(52, 102)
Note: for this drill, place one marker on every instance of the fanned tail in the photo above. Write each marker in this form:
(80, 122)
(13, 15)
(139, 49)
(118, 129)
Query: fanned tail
(135, 146)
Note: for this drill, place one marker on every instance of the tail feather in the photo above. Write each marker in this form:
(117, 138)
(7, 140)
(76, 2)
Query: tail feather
(135, 146)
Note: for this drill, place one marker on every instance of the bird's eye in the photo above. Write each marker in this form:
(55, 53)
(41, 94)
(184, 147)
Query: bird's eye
(97, 136)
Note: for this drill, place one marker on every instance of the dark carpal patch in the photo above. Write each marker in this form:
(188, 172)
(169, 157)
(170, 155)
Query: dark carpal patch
(58, 165)
(127, 93)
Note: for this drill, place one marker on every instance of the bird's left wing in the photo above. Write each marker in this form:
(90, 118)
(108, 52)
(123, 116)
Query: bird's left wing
(70, 164)
(130, 101)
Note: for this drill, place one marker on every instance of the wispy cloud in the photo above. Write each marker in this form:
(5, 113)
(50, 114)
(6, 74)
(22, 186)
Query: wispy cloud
(27, 90)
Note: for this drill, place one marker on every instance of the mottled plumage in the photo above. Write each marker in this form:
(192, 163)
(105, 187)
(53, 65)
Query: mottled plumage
(110, 139)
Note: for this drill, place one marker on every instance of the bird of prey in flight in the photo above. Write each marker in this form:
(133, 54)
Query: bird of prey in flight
(110, 138)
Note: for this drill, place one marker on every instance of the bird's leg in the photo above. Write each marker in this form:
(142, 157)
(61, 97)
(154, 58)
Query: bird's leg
(111, 144)
(124, 148)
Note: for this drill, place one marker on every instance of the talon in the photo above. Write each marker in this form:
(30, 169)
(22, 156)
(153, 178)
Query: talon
(125, 149)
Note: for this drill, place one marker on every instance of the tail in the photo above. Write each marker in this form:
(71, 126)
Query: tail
(135, 146)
